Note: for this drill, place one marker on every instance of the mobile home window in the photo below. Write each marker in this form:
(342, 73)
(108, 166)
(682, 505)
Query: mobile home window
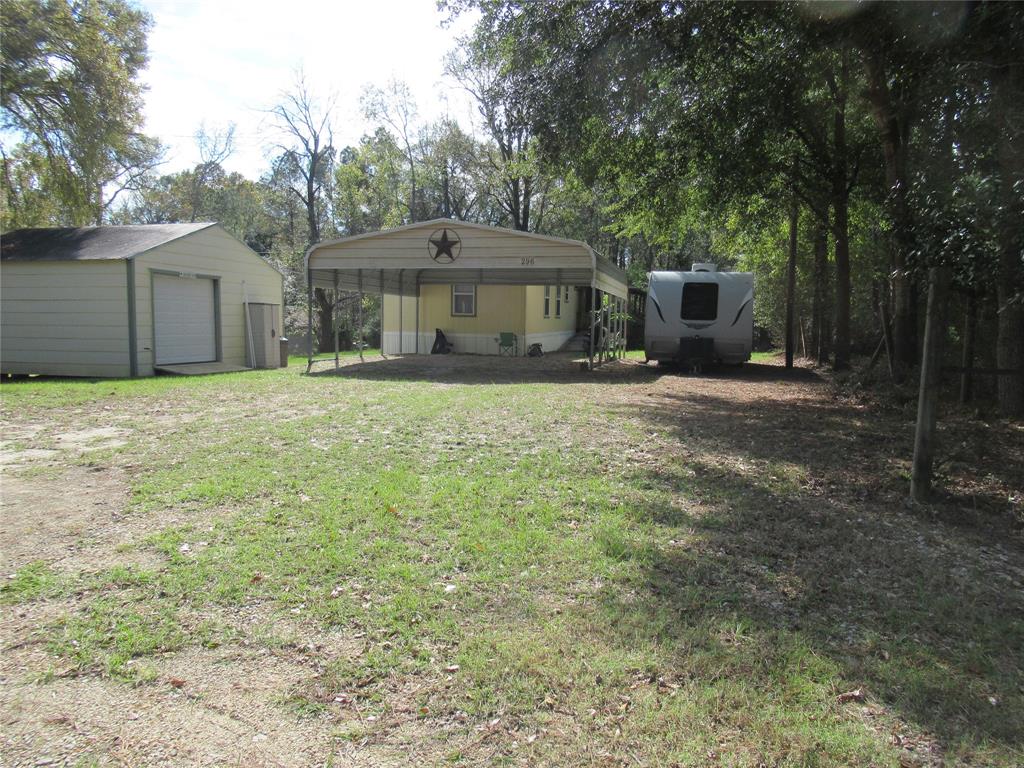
(547, 301)
(463, 300)
(700, 301)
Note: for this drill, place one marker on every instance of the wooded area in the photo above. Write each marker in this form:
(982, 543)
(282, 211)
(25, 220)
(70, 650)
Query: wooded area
(660, 133)
(477, 560)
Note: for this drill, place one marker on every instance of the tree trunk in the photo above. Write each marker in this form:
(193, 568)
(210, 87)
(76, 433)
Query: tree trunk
(893, 133)
(928, 394)
(820, 325)
(840, 230)
(840, 216)
(794, 217)
(527, 196)
(883, 314)
(446, 187)
(967, 361)
(325, 320)
(1009, 90)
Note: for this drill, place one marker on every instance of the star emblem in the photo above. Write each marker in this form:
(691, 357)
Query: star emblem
(446, 248)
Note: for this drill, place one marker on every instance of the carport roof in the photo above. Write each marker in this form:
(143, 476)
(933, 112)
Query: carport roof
(397, 261)
(90, 243)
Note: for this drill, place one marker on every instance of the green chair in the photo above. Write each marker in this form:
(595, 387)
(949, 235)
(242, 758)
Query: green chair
(508, 344)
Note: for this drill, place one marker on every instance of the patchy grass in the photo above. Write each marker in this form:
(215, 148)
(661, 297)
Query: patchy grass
(653, 571)
(33, 581)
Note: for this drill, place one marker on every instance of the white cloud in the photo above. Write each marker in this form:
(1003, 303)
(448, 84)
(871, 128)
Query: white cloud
(225, 61)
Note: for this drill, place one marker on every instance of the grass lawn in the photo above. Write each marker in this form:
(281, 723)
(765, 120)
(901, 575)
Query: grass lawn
(400, 568)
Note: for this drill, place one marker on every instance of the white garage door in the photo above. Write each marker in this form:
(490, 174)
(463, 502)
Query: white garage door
(183, 311)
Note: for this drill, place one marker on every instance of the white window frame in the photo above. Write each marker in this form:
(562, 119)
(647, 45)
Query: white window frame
(547, 301)
(456, 292)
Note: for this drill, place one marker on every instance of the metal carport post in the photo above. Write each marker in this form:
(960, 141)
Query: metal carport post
(309, 317)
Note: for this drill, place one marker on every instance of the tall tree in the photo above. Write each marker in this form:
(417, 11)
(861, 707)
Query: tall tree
(994, 53)
(305, 168)
(69, 86)
(502, 98)
(214, 147)
(396, 108)
(370, 191)
(453, 182)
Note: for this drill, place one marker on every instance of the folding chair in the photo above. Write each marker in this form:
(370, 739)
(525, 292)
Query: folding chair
(508, 344)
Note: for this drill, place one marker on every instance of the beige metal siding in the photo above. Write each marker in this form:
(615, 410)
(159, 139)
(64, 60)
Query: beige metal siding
(498, 249)
(266, 334)
(64, 318)
(212, 252)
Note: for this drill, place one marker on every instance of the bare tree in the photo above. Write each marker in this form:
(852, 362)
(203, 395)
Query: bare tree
(128, 172)
(306, 161)
(215, 147)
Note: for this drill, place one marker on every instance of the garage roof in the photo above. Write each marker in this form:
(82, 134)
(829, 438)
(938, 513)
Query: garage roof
(90, 243)
(440, 251)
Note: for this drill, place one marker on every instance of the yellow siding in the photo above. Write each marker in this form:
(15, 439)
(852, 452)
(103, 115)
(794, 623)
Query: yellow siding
(67, 318)
(498, 308)
(536, 322)
(553, 331)
(215, 253)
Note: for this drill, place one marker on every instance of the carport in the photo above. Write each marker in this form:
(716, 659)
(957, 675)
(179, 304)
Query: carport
(400, 262)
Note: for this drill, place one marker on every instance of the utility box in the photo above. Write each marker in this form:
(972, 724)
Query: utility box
(263, 336)
(284, 352)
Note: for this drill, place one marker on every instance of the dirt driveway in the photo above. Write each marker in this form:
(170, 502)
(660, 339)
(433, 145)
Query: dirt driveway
(66, 507)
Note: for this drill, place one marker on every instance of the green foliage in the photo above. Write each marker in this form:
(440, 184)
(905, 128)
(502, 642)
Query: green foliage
(69, 84)
(26, 195)
(370, 186)
(895, 125)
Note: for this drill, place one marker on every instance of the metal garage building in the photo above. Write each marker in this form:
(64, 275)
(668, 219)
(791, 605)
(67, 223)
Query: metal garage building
(126, 301)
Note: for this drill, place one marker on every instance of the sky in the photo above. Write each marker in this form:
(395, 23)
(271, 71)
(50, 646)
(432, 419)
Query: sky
(215, 62)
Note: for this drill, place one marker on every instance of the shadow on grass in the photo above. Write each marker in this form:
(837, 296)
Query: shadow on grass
(798, 531)
(556, 368)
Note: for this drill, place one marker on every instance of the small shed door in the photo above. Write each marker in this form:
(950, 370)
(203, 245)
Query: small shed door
(184, 317)
(265, 333)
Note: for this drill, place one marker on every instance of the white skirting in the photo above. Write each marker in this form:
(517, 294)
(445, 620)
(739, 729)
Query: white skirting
(464, 343)
(550, 342)
(471, 343)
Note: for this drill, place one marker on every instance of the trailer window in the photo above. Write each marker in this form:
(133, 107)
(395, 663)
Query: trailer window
(463, 300)
(700, 301)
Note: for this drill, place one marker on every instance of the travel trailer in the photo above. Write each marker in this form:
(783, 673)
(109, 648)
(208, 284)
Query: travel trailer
(699, 317)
